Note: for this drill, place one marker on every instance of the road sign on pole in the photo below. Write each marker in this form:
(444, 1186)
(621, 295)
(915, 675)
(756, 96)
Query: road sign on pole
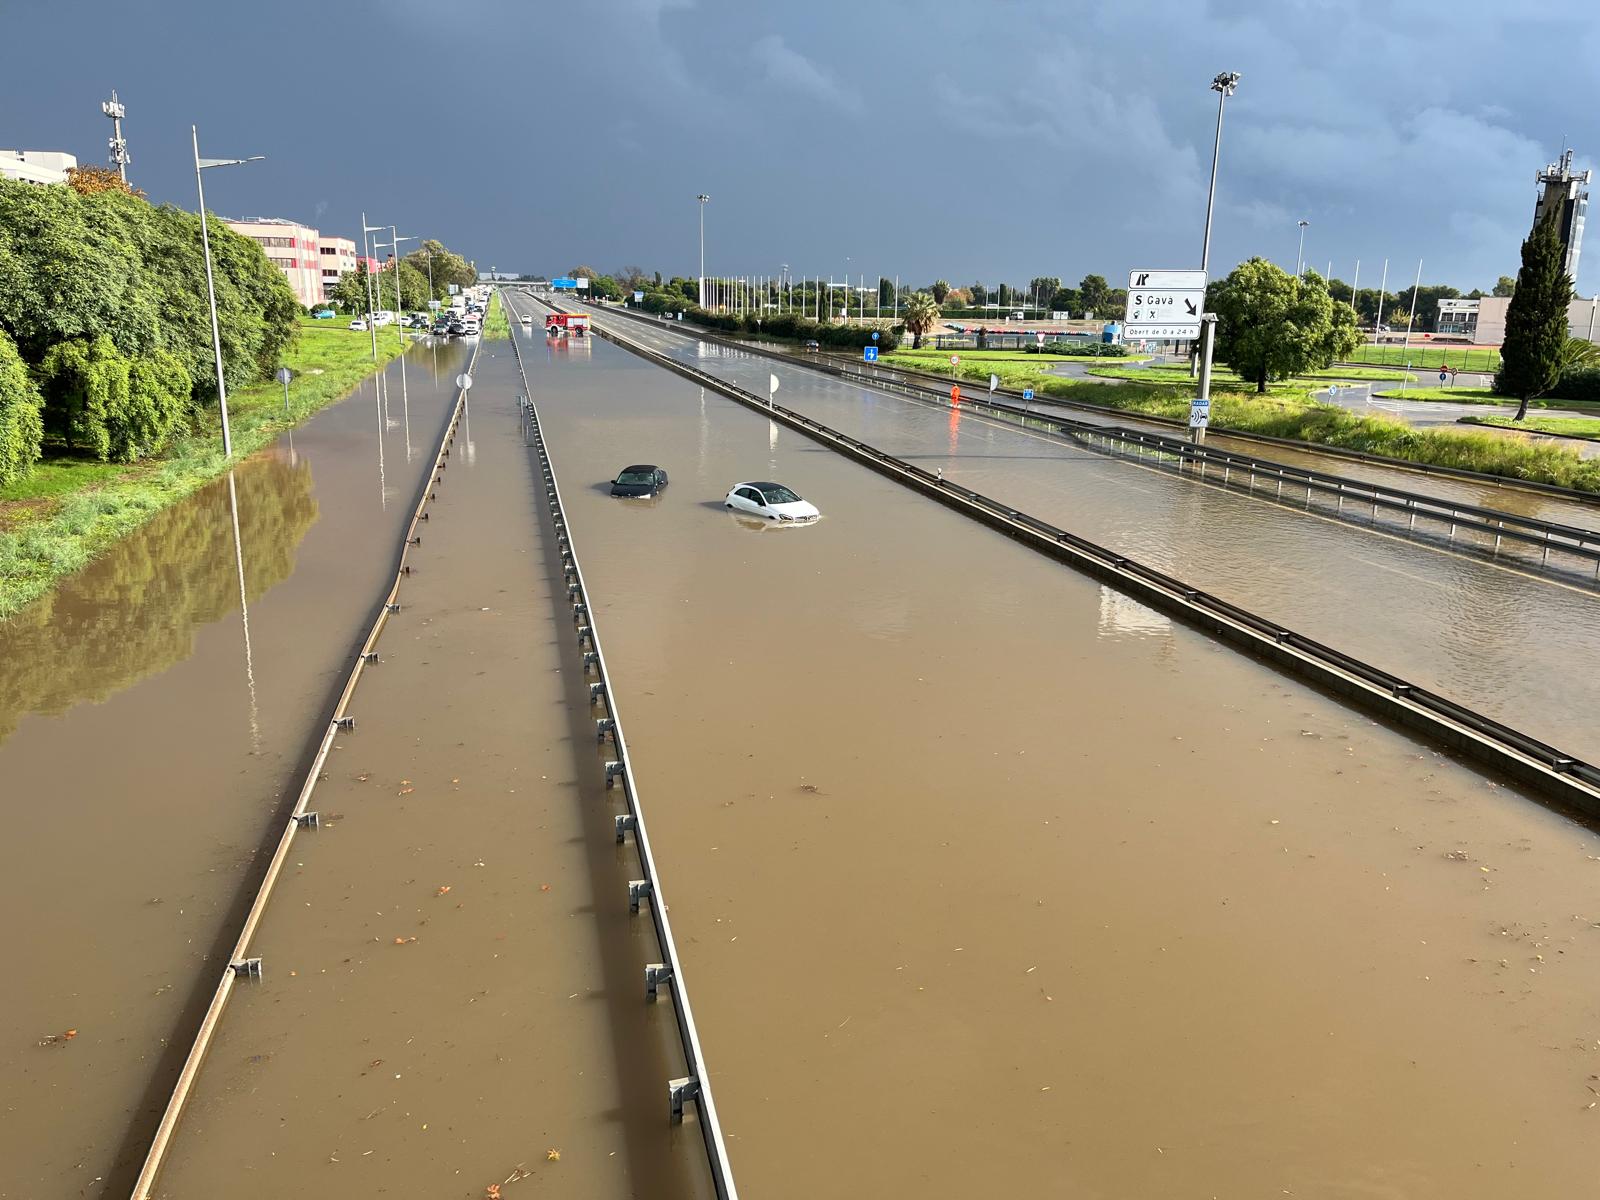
(1027, 393)
(1199, 413)
(1443, 375)
(1164, 305)
(869, 353)
(874, 335)
(994, 382)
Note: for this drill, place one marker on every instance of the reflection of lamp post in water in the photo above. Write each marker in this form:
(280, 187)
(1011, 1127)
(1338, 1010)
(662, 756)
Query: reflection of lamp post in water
(244, 612)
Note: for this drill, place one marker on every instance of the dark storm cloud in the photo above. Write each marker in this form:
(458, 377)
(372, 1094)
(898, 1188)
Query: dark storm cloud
(976, 141)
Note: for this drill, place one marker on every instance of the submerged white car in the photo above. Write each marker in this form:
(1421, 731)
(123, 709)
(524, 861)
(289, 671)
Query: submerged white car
(770, 500)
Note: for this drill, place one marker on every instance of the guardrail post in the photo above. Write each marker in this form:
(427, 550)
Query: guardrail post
(678, 1091)
(655, 974)
(638, 889)
(623, 822)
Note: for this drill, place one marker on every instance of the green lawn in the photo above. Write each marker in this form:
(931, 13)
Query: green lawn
(70, 509)
(1289, 412)
(1466, 358)
(1336, 374)
(1587, 427)
(495, 325)
(929, 359)
(1453, 395)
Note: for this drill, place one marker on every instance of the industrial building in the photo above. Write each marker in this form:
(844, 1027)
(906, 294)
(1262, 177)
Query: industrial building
(36, 166)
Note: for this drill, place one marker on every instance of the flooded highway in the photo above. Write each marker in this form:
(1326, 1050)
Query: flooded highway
(452, 996)
(1478, 632)
(993, 882)
(149, 727)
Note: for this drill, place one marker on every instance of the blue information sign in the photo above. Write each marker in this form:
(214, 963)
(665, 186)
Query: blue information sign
(874, 335)
(564, 283)
(869, 353)
(1027, 393)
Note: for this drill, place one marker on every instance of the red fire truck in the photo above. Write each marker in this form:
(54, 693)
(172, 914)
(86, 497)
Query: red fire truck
(566, 324)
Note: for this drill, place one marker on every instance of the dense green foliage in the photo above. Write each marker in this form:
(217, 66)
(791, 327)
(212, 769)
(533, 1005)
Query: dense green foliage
(1536, 320)
(20, 426)
(800, 328)
(104, 297)
(1271, 325)
(447, 267)
(70, 510)
(1582, 383)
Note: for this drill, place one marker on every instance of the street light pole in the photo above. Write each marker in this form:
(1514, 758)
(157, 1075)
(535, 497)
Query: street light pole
(200, 164)
(1300, 255)
(703, 198)
(394, 244)
(1224, 85)
(366, 249)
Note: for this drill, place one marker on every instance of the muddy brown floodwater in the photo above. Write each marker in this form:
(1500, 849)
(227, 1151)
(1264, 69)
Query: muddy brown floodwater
(147, 735)
(992, 882)
(453, 987)
(1485, 634)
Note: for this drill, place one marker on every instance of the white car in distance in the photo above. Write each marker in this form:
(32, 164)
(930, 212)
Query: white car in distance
(770, 500)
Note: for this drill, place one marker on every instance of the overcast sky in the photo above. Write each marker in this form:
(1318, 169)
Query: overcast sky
(987, 140)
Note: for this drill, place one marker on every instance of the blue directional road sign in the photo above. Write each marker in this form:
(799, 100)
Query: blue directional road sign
(874, 335)
(869, 353)
(1444, 376)
(1027, 393)
(564, 282)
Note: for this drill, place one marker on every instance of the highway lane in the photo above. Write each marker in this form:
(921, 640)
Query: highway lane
(1506, 642)
(992, 882)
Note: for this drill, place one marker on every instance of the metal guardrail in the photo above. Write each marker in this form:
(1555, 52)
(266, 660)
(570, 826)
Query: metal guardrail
(240, 963)
(1549, 771)
(647, 892)
(1546, 536)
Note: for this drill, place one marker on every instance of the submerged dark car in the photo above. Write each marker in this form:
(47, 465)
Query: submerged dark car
(639, 481)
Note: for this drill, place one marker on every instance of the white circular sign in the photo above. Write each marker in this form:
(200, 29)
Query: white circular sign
(463, 381)
(954, 359)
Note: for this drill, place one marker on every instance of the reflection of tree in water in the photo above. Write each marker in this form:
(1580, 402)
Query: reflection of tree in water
(134, 610)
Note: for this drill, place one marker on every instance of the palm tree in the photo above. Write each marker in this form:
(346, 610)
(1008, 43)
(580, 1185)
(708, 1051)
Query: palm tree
(921, 314)
(940, 289)
(1579, 354)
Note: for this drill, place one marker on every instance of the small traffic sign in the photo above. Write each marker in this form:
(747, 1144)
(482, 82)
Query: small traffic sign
(1199, 413)
(869, 353)
(1333, 389)
(874, 335)
(464, 381)
(954, 359)
(1027, 393)
(994, 382)
(1443, 375)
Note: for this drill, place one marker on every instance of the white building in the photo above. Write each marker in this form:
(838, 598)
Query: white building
(36, 166)
(292, 248)
(338, 256)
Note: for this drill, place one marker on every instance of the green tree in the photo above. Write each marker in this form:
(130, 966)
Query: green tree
(1504, 286)
(1065, 300)
(85, 387)
(1271, 325)
(401, 286)
(940, 291)
(885, 292)
(1536, 320)
(1044, 287)
(978, 294)
(21, 429)
(921, 313)
(1094, 294)
(350, 293)
(448, 268)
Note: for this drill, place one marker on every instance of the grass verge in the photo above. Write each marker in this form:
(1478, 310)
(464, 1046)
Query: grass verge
(940, 359)
(1452, 395)
(1293, 415)
(1584, 427)
(69, 510)
(495, 325)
